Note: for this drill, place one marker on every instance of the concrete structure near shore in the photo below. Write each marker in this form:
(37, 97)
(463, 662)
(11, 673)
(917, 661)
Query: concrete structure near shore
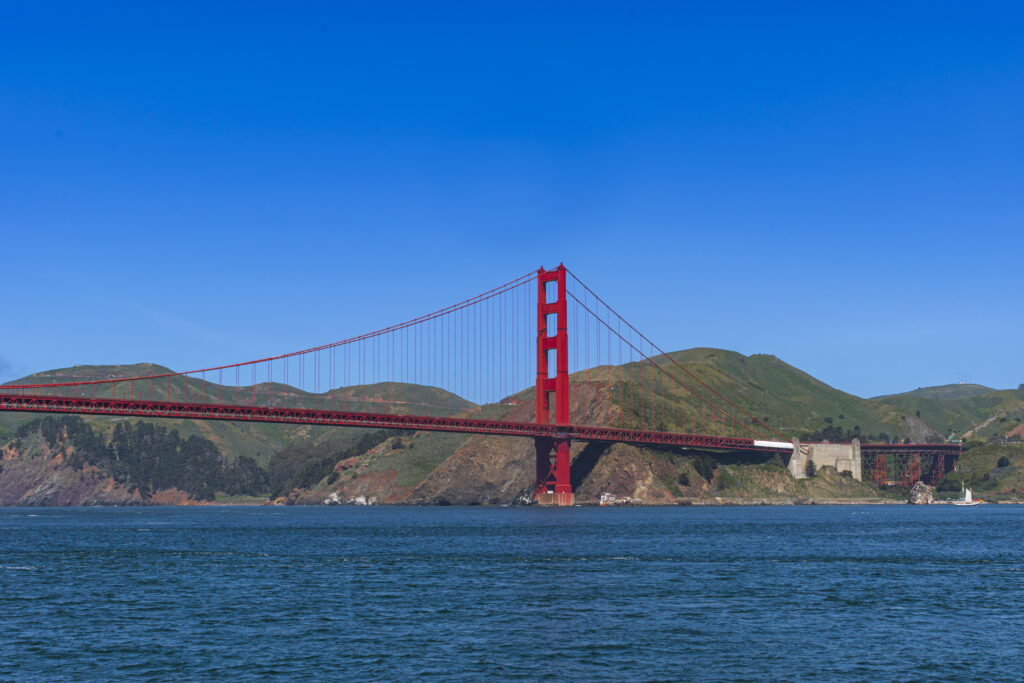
(844, 457)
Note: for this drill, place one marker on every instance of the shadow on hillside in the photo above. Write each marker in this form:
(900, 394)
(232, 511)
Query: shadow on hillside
(584, 463)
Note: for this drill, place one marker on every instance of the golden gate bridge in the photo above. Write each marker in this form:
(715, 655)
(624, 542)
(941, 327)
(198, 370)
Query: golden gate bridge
(498, 363)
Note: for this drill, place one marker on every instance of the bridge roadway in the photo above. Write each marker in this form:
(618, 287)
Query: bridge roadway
(340, 418)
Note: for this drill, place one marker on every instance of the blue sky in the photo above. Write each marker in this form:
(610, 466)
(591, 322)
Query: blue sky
(843, 188)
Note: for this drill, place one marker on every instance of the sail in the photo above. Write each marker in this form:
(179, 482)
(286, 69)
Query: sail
(967, 496)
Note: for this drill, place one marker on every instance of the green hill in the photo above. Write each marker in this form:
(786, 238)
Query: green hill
(974, 415)
(783, 397)
(945, 391)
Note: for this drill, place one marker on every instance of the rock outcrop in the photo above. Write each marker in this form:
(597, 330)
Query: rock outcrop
(921, 494)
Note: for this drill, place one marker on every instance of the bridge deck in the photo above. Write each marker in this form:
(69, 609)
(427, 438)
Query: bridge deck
(206, 411)
(339, 418)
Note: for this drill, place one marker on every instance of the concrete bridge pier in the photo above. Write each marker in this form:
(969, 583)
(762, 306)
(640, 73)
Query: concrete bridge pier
(844, 457)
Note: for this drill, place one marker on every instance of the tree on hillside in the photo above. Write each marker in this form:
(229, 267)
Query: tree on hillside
(809, 468)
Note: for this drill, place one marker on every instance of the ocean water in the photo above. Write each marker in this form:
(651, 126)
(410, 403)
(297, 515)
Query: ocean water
(865, 593)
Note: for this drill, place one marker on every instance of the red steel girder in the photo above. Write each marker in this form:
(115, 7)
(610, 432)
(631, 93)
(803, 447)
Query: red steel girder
(906, 448)
(338, 418)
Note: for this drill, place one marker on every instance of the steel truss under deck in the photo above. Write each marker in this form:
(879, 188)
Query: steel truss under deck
(342, 418)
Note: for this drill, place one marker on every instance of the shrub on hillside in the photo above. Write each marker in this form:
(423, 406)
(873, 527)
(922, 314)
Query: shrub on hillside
(705, 466)
(726, 480)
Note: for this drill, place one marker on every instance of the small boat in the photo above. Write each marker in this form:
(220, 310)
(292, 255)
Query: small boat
(967, 500)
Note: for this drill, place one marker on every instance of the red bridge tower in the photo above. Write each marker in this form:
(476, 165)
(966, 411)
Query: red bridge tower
(554, 485)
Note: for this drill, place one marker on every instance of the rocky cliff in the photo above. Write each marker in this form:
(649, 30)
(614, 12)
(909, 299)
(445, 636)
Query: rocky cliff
(62, 461)
(34, 472)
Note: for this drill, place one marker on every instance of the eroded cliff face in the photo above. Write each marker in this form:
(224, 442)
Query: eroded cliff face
(358, 486)
(34, 472)
(486, 470)
(628, 472)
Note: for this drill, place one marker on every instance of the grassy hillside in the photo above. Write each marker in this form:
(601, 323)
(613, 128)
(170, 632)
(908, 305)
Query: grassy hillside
(781, 396)
(943, 391)
(975, 416)
(993, 471)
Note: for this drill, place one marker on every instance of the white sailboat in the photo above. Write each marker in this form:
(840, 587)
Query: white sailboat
(967, 500)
